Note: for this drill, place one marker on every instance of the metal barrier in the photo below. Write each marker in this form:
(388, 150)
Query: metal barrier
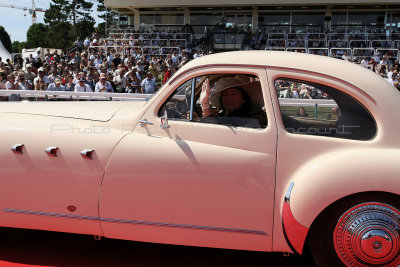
(315, 104)
(296, 43)
(363, 52)
(391, 53)
(114, 49)
(275, 48)
(277, 36)
(168, 50)
(338, 52)
(316, 36)
(360, 43)
(177, 42)
(159, 42)
(382, 43)
(377, 36)
(68, 96)
(338, 43)
(297, 49)
(276, 42)
(316, 43)
(324, 51)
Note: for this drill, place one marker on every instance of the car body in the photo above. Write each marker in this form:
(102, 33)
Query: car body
(127, 170)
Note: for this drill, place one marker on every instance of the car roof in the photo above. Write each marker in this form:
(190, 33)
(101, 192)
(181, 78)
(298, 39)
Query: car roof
(360, 77)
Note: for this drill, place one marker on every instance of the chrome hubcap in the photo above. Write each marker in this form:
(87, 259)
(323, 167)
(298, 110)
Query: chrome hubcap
(368, 234)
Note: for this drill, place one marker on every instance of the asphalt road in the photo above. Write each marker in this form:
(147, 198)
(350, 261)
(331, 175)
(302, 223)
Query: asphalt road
(22, 248)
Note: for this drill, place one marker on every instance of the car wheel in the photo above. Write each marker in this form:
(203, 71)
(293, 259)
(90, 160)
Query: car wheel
(360, 231)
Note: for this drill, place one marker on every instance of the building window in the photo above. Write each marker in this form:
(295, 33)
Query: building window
(308, 18)
(274, 19)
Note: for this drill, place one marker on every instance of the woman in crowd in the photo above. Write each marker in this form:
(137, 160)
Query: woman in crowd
(70, 85)
(3, 80)
(301, 112)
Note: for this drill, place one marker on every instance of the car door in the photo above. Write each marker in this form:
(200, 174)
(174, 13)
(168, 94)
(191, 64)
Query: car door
(193, 183)
(60, 191)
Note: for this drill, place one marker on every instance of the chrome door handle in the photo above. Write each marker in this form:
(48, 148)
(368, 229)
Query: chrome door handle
(52, 151)
(144, 122)
(164, 121)
(17, 148)
(87, 153)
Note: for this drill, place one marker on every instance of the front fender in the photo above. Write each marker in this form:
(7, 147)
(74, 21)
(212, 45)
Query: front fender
(330, 177)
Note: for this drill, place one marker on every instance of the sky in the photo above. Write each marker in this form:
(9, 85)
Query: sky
(17, 21)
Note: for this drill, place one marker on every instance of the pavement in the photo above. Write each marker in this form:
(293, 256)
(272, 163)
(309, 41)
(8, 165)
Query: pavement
(28, 248)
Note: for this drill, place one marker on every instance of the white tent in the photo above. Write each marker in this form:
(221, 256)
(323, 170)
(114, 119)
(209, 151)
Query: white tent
(4, 53)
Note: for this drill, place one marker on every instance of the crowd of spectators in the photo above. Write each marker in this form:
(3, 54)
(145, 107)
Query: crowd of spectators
(128, 63)
(91, 67)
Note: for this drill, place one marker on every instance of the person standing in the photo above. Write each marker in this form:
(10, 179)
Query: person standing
(149, 84)
(103, 85)
(12, 85)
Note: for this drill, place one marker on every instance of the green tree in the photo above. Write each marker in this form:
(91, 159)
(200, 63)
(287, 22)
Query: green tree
(84, 28)
(109, 17)
(59, 36)
(5, 39)
(18, 46)
(72, 11)
(58, 12)
(36, 36)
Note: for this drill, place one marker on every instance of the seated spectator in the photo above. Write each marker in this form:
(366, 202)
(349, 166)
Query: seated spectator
(40, 85)
(12, 85)
(42, 77)
(3, 80)
(56, 86)
(335, 114)
(301, 112)
(70, 85)
(22, 83)
(82, 86)
(54, 75)
(103, 85)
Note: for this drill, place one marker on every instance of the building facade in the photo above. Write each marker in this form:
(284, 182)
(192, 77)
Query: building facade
(287, 15)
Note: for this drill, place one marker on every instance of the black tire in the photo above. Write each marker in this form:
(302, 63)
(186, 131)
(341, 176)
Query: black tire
(321, 236)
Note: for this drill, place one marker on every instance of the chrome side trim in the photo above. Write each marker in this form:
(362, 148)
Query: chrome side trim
(135, 222)
(294, 232)
(288, 192)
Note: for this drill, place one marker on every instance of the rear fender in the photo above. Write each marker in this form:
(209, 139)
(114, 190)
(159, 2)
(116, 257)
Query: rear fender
(328, 178)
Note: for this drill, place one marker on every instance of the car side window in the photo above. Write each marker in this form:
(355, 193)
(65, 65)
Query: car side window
(234, 100)
(315, 109)
(178, 104)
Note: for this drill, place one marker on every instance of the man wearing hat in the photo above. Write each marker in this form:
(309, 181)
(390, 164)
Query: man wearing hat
(29, 75)
(56, 86)
(82, 86)
(41, 76)
(103, 85)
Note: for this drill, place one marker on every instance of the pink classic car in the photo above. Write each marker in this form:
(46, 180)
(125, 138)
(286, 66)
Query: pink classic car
(264, 151)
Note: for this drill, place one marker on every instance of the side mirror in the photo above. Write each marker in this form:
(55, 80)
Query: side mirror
(164, 121)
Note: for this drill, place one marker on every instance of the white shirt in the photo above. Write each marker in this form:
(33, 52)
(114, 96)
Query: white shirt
(85, 88)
